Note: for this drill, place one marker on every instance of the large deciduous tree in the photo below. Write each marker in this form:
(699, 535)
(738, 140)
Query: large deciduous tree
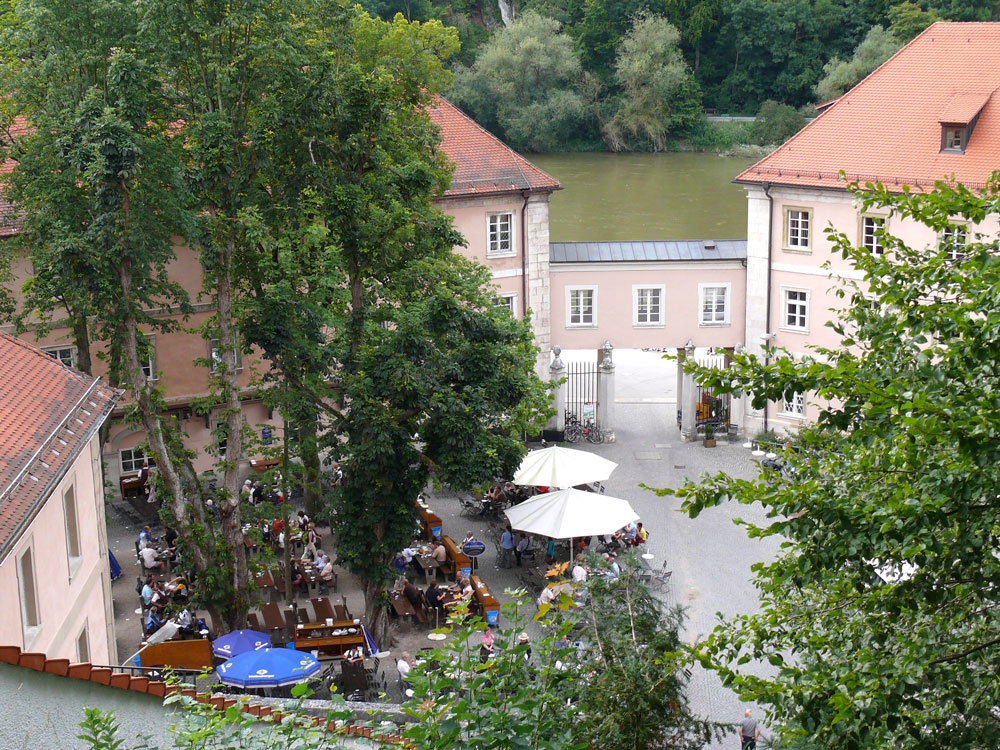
(900, 474)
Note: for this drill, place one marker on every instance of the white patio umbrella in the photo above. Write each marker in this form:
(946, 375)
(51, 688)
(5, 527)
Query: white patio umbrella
(569, 513)
(562, 467)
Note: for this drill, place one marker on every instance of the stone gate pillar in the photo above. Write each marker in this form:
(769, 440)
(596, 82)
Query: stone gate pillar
(738, 403)
(687, 397)
(606, 394)
(557, 374)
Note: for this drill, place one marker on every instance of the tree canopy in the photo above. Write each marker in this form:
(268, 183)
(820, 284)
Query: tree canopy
(881, 616)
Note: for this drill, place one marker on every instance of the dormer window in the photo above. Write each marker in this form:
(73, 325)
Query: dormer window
(953, 138)
(959, 118)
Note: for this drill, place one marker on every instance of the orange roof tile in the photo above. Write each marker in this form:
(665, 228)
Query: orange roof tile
(48, 413)
(483, 163)
(888, 128)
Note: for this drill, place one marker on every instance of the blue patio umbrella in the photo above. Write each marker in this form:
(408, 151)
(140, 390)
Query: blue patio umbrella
(240, 641)
(268, 668)
(370, 641)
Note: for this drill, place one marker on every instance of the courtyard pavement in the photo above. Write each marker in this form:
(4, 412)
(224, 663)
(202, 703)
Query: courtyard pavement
(710, 556)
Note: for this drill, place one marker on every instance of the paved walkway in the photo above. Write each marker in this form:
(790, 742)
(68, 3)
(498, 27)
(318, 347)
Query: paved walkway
(710, 555)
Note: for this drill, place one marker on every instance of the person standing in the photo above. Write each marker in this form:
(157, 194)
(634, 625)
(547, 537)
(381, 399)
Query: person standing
(749, 732)
(506, 547)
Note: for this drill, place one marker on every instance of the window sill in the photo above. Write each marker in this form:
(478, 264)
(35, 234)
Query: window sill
(800, 331)
(74, 567)
(648, 325)
(491, 256)
(580, 325)
(797, 250)
(796, 417)
(714, 325)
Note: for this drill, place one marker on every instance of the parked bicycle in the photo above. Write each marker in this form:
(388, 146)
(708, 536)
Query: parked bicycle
(575, 431)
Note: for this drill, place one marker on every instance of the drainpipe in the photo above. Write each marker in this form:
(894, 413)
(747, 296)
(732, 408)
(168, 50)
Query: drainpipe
(524, 254)
(770, 230)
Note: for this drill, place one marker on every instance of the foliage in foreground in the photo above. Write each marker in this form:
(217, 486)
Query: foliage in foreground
(606, 673)
(902, 468)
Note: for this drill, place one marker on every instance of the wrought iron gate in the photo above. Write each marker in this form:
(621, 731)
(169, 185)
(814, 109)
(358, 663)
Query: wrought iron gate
(581, 391)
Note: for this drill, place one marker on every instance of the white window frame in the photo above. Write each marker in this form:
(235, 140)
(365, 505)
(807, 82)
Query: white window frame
(494, 243)
(637, 292)
(794, 407)
(508, 301)
(727, 311)
(83, 644)
(71, 520)
(801, 240)
(134, 460)
(27, 587)
(57, 353)
(593, 306)
(869, 239)
(956, 251)
(216, 360)
(796, 327)
(149, 366)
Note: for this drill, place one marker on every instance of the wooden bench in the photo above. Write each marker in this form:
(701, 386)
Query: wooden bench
(193, 654)
(459, 560)
(487, 605)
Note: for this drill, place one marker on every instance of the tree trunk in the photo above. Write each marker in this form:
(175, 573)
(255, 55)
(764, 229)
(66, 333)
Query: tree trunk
(376, 614)
(229, 515)
(81, 337)
(180, 478)
(312, 482)
(290, 593)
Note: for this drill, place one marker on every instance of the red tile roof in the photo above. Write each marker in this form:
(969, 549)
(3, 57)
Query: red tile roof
(888, 128)
(48, 413)
(483, 163)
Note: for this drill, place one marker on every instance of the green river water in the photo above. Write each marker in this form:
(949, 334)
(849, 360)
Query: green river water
(620, 197)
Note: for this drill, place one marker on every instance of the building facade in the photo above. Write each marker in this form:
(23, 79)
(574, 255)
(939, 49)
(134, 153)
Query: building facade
(928, 114)
(54, 567)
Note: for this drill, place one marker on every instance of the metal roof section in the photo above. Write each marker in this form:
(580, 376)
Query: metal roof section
(646, 252)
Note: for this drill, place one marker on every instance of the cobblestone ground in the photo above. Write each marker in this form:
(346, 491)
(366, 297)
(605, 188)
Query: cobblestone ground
(710, 556)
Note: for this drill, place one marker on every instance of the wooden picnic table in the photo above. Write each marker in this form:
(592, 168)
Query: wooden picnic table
(459, 559)
(307, 629)
(331, 644)
(484, 601)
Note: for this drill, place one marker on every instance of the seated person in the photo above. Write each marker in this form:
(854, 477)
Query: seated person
(147, 591)
(486, 647)
(412, 593)
(153, 621)
(354, 655)
(404, 665)
(185, 623)
(170, 542)
(302, 521)
(438, 553)
(298, 580)
(523, 549)
(326, 574)
(177, 588)
(150, 557)
(434, 596)
(145, 537)
(579, 571)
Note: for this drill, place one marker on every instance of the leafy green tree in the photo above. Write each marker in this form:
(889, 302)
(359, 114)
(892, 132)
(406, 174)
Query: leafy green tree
(899, 474)
(696, 19)
(623, 689)
(842, 75)
(776, 123)
(651, 73)
(907, 19)
(523, 86)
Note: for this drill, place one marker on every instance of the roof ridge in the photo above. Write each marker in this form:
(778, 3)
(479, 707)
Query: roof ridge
(518, 159)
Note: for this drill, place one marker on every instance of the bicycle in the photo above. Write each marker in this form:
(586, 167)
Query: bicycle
(575, 431)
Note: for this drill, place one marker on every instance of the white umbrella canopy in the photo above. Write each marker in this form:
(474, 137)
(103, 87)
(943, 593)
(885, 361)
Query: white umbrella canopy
(565, 514)
(562, 467)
